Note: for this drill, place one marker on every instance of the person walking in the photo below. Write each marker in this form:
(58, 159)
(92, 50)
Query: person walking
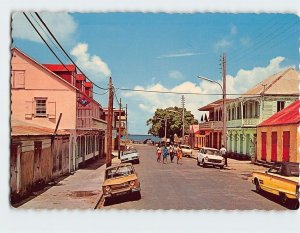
(165, 153)
(179, 153)
(223, 152)
(171, 152)
(158, 153)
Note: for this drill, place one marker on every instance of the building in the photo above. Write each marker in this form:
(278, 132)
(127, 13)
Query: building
(257, 104)
(38, 155)
(210, 131)
(196, 139)
(278, 137)
(56, 96)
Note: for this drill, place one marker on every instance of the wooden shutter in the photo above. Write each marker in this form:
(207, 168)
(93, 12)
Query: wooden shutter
(274, 147)
(263, 145)
(28, 109)
(286, 146)
(19, 79)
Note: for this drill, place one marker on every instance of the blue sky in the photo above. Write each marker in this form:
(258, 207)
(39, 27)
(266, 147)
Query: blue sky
(167, 52)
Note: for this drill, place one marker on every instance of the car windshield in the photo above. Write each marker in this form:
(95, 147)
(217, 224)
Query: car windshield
(129, 151)
(294, 170)
(118, 171)
(212, 152)
(185, 147)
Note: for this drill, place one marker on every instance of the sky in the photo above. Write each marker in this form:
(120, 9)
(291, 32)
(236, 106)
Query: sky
(166, 52)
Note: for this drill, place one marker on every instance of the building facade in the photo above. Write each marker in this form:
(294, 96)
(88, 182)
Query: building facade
(56, 96)
(280, 132)
(257, 104)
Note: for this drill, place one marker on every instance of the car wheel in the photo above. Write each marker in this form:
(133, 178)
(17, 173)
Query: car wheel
(283, 198)
(198, 163)
(138, 161)
(203, 163)
(222, 167)
(137, 195)
(257, 186)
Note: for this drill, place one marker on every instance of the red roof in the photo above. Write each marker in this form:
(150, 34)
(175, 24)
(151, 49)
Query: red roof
(288, 115)
(56, 67)
(80, 77)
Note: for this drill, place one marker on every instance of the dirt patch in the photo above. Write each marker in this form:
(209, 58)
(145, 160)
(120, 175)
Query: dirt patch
(80, 194)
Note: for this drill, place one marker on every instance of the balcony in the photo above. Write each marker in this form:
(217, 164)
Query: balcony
(244, 122)
(216, 125)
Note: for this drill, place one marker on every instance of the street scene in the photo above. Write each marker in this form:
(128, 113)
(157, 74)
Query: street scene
(129, 111)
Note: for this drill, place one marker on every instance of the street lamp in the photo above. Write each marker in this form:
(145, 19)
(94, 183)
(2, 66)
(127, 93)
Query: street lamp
(223, 88)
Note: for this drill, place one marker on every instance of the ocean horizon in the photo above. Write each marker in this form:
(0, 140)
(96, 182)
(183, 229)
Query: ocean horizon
(143, 137)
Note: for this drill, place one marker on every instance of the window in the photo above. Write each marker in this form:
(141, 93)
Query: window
(40, 107)
(256, 113)
(280, 105)
(18, 79)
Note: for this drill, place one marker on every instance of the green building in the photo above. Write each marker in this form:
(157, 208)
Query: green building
(257, 104)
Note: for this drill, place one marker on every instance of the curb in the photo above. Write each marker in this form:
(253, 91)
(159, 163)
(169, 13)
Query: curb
(99, 201)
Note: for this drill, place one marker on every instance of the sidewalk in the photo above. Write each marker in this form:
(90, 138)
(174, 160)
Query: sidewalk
(73, 192)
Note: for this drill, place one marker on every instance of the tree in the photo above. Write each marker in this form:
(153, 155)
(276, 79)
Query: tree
(174, 122)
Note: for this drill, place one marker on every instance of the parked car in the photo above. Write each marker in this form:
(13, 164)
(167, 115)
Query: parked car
(119, 180)
(210, 156)
(282, 179)
(130, 155)
(186, 150)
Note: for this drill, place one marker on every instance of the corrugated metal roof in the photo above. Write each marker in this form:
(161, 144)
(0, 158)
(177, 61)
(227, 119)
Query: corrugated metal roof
(288, 115)
(213, 105)
(57, 67)
(19, 128)
(283, 83)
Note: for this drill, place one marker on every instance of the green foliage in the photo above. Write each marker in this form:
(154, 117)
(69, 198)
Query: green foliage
(174, 122)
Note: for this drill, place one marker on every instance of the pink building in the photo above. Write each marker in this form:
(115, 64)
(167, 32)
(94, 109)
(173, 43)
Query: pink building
(41, 93)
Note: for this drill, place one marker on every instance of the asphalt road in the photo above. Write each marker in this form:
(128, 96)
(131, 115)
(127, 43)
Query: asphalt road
(188, 186)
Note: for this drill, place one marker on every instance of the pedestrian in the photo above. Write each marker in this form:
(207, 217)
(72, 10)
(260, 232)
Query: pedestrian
(223, 152)
(158, 153)
(179, 153)
(165, 153)
(171, 152)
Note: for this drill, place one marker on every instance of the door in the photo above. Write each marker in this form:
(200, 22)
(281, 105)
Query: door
(263, 145)
(286, 146)
(37, 161)
(15, 168)
(274, 147)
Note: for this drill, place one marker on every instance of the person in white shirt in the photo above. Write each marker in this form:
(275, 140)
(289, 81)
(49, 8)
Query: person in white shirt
(223, 152)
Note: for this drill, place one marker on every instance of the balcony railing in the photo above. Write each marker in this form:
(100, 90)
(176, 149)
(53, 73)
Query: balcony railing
(216, 125)
(244, 122)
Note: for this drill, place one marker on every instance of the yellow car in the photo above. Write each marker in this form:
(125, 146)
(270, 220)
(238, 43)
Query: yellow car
(282, 180)
(119, 180)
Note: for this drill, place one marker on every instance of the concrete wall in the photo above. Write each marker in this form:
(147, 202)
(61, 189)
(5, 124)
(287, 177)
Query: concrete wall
(294, 142)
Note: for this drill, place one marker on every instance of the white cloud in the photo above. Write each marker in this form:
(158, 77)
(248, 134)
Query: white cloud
(175, 74)
(62, 25)
(233, 29)
(238, 84)
(222, 44)
(185, 54)
(93, 65)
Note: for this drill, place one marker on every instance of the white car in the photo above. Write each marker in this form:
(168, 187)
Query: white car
(210, 156)
(130, 156)
(186, 150)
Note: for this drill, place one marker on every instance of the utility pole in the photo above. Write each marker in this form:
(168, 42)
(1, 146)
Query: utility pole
(182, 102)
(119, 143)
(109, 123)
(224, 100)
(126, 123)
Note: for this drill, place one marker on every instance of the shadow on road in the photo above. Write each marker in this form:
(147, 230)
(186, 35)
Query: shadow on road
(291, 205)
(121, 199)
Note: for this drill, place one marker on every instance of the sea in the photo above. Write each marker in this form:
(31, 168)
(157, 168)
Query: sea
(142, 138)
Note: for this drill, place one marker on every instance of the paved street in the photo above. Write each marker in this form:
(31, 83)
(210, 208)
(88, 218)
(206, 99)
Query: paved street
(188, 186)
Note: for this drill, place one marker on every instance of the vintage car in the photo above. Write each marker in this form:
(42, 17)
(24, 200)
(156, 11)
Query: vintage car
(282, 179)
(130, 155)
(186, 150)
(210, 156)
(119, 180)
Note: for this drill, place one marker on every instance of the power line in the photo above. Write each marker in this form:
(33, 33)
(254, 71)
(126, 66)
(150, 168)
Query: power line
(66, 52)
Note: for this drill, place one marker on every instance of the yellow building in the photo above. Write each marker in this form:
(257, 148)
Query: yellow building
(278, 137)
